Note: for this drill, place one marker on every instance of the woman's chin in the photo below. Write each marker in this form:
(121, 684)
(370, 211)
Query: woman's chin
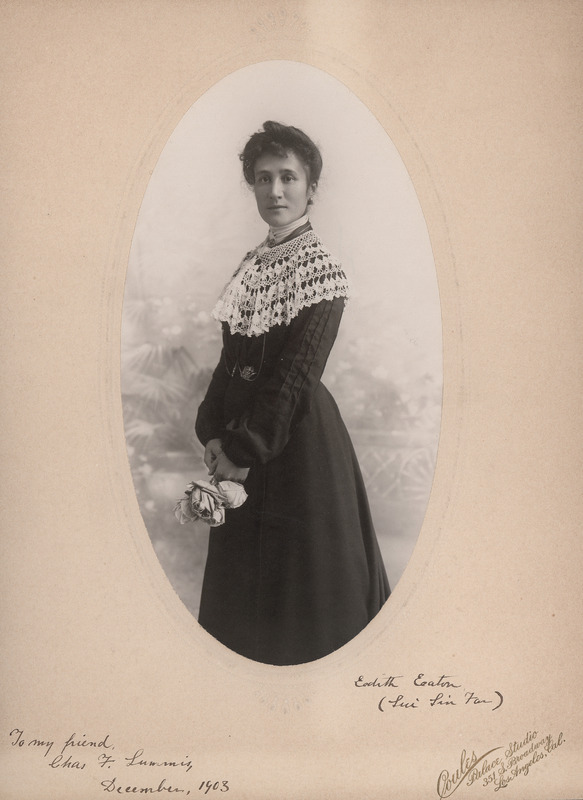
(277, 219)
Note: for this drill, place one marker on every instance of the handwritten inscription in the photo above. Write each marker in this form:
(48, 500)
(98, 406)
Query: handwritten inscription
(497, 771)
(426, 691)
(80, 752)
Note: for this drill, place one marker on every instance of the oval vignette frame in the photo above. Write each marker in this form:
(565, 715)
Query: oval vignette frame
(192, 237)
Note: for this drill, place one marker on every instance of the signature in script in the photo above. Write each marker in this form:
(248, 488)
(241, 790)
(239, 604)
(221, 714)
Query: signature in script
(448, 781)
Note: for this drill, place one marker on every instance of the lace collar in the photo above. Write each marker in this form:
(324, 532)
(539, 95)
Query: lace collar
(273, 284)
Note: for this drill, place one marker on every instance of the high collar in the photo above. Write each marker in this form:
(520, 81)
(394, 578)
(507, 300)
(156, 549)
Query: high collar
(285, 232)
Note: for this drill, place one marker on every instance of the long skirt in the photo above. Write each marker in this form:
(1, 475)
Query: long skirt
(296, 571)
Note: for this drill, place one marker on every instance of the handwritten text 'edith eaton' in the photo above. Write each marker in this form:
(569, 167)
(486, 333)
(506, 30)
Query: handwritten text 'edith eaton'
(429, 692)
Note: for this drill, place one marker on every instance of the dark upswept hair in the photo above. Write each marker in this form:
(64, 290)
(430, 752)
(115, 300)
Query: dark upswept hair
(277, 139)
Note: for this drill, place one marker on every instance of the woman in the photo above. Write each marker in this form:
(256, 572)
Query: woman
(296, 571)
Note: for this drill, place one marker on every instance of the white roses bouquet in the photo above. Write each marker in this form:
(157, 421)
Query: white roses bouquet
(208, 501)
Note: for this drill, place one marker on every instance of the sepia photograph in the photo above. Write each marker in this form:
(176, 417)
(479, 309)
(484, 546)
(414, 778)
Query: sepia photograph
(317, 407)
(291, 474)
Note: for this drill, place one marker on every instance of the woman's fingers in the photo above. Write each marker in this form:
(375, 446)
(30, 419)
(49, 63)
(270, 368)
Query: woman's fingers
(210, 463)
(225, 470)
(211, 452)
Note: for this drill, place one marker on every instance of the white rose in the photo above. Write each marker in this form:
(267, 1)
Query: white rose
(232, 494)
(183, 511)
(218, 517)
(202, 503)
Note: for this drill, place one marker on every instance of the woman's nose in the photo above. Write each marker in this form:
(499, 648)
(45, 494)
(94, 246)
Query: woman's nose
(276, 188)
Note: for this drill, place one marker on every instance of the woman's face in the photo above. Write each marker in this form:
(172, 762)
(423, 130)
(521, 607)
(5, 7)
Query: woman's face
(281, 188)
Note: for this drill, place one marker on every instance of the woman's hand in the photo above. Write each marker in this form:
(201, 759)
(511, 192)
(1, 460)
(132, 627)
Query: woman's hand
(225, 470)
(212, 451)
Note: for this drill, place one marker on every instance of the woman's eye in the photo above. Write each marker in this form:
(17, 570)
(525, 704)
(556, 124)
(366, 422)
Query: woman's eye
(288, 178)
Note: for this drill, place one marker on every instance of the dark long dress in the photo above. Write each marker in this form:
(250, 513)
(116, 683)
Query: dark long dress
(296, 571)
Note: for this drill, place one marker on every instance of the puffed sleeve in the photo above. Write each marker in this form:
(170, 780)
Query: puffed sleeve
(209, 421)
(282, 402)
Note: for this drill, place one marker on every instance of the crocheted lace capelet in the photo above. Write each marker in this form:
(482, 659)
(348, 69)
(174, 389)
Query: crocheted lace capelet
(273, 284)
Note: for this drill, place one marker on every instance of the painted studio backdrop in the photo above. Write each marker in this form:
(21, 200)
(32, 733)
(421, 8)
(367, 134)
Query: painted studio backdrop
(197, 220)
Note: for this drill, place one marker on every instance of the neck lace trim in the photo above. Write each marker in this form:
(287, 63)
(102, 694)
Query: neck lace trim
(273, 284)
